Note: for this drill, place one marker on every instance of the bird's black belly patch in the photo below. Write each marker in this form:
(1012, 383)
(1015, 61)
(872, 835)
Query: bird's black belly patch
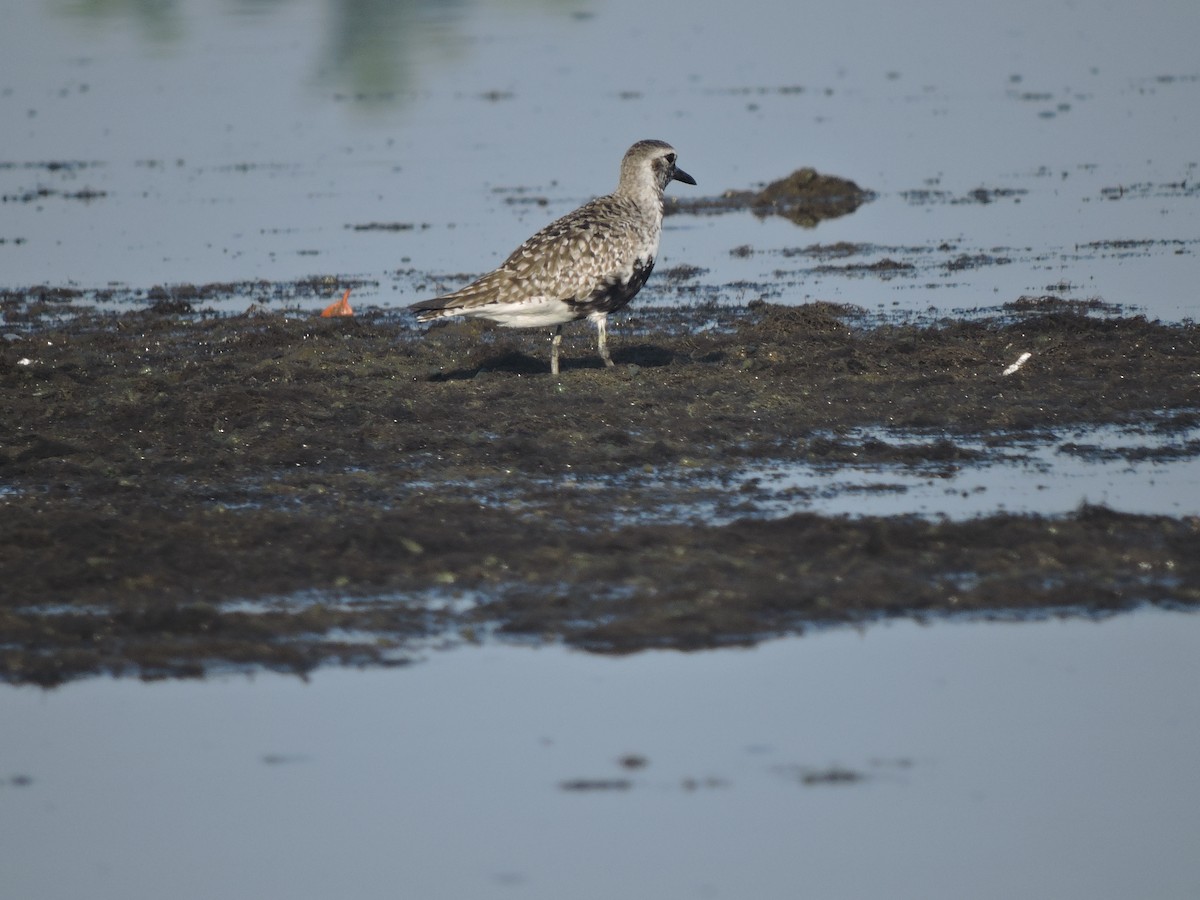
(614, 295)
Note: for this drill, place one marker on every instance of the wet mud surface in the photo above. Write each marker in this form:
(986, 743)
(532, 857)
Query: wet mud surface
(184, 492)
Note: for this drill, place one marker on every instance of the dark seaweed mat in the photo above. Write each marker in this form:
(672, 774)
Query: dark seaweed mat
(162, 468)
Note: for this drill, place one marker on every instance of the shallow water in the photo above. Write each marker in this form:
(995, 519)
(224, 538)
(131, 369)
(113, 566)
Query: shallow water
(1050, 759)
(255, 141)
(1123, 469)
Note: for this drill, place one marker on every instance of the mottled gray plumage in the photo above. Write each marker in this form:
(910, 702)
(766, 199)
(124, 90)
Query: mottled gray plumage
(585, 265)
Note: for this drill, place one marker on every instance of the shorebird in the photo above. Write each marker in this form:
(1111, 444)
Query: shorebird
(587, 264)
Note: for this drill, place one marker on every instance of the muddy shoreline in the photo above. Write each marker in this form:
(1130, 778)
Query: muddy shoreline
(184, 491)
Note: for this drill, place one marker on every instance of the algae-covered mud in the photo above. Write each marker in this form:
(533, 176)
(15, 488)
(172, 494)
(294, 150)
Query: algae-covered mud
(805, 197)
(184, 490)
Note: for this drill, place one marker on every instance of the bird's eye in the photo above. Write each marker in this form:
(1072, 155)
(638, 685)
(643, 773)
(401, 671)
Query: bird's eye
(671, 158)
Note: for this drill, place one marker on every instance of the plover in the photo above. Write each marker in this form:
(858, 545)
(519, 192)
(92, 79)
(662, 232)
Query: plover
(587, 264)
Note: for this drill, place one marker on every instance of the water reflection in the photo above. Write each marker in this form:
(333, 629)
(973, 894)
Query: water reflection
(372, 48)
(158, 21)
(373, 45)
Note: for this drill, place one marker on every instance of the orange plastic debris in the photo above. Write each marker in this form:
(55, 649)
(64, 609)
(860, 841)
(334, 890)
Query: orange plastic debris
(341, 308)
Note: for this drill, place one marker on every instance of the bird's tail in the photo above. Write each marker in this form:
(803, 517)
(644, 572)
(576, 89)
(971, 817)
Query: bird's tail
(461, 302)
(428, 310)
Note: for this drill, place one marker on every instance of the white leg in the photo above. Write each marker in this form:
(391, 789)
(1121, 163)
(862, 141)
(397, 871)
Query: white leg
(555, 343)
(602, 340)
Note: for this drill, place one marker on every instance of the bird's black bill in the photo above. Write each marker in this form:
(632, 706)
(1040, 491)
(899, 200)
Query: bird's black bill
(680, 175)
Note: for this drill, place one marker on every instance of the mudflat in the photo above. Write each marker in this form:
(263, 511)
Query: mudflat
(185, 491)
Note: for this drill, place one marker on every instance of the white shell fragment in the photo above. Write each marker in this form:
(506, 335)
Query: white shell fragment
(1021, 360)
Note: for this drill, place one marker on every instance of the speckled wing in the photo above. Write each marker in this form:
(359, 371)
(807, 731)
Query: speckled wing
(574, 258)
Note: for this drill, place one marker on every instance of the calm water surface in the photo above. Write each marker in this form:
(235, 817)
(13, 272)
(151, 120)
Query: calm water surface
(990, 761)
(219, 142)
